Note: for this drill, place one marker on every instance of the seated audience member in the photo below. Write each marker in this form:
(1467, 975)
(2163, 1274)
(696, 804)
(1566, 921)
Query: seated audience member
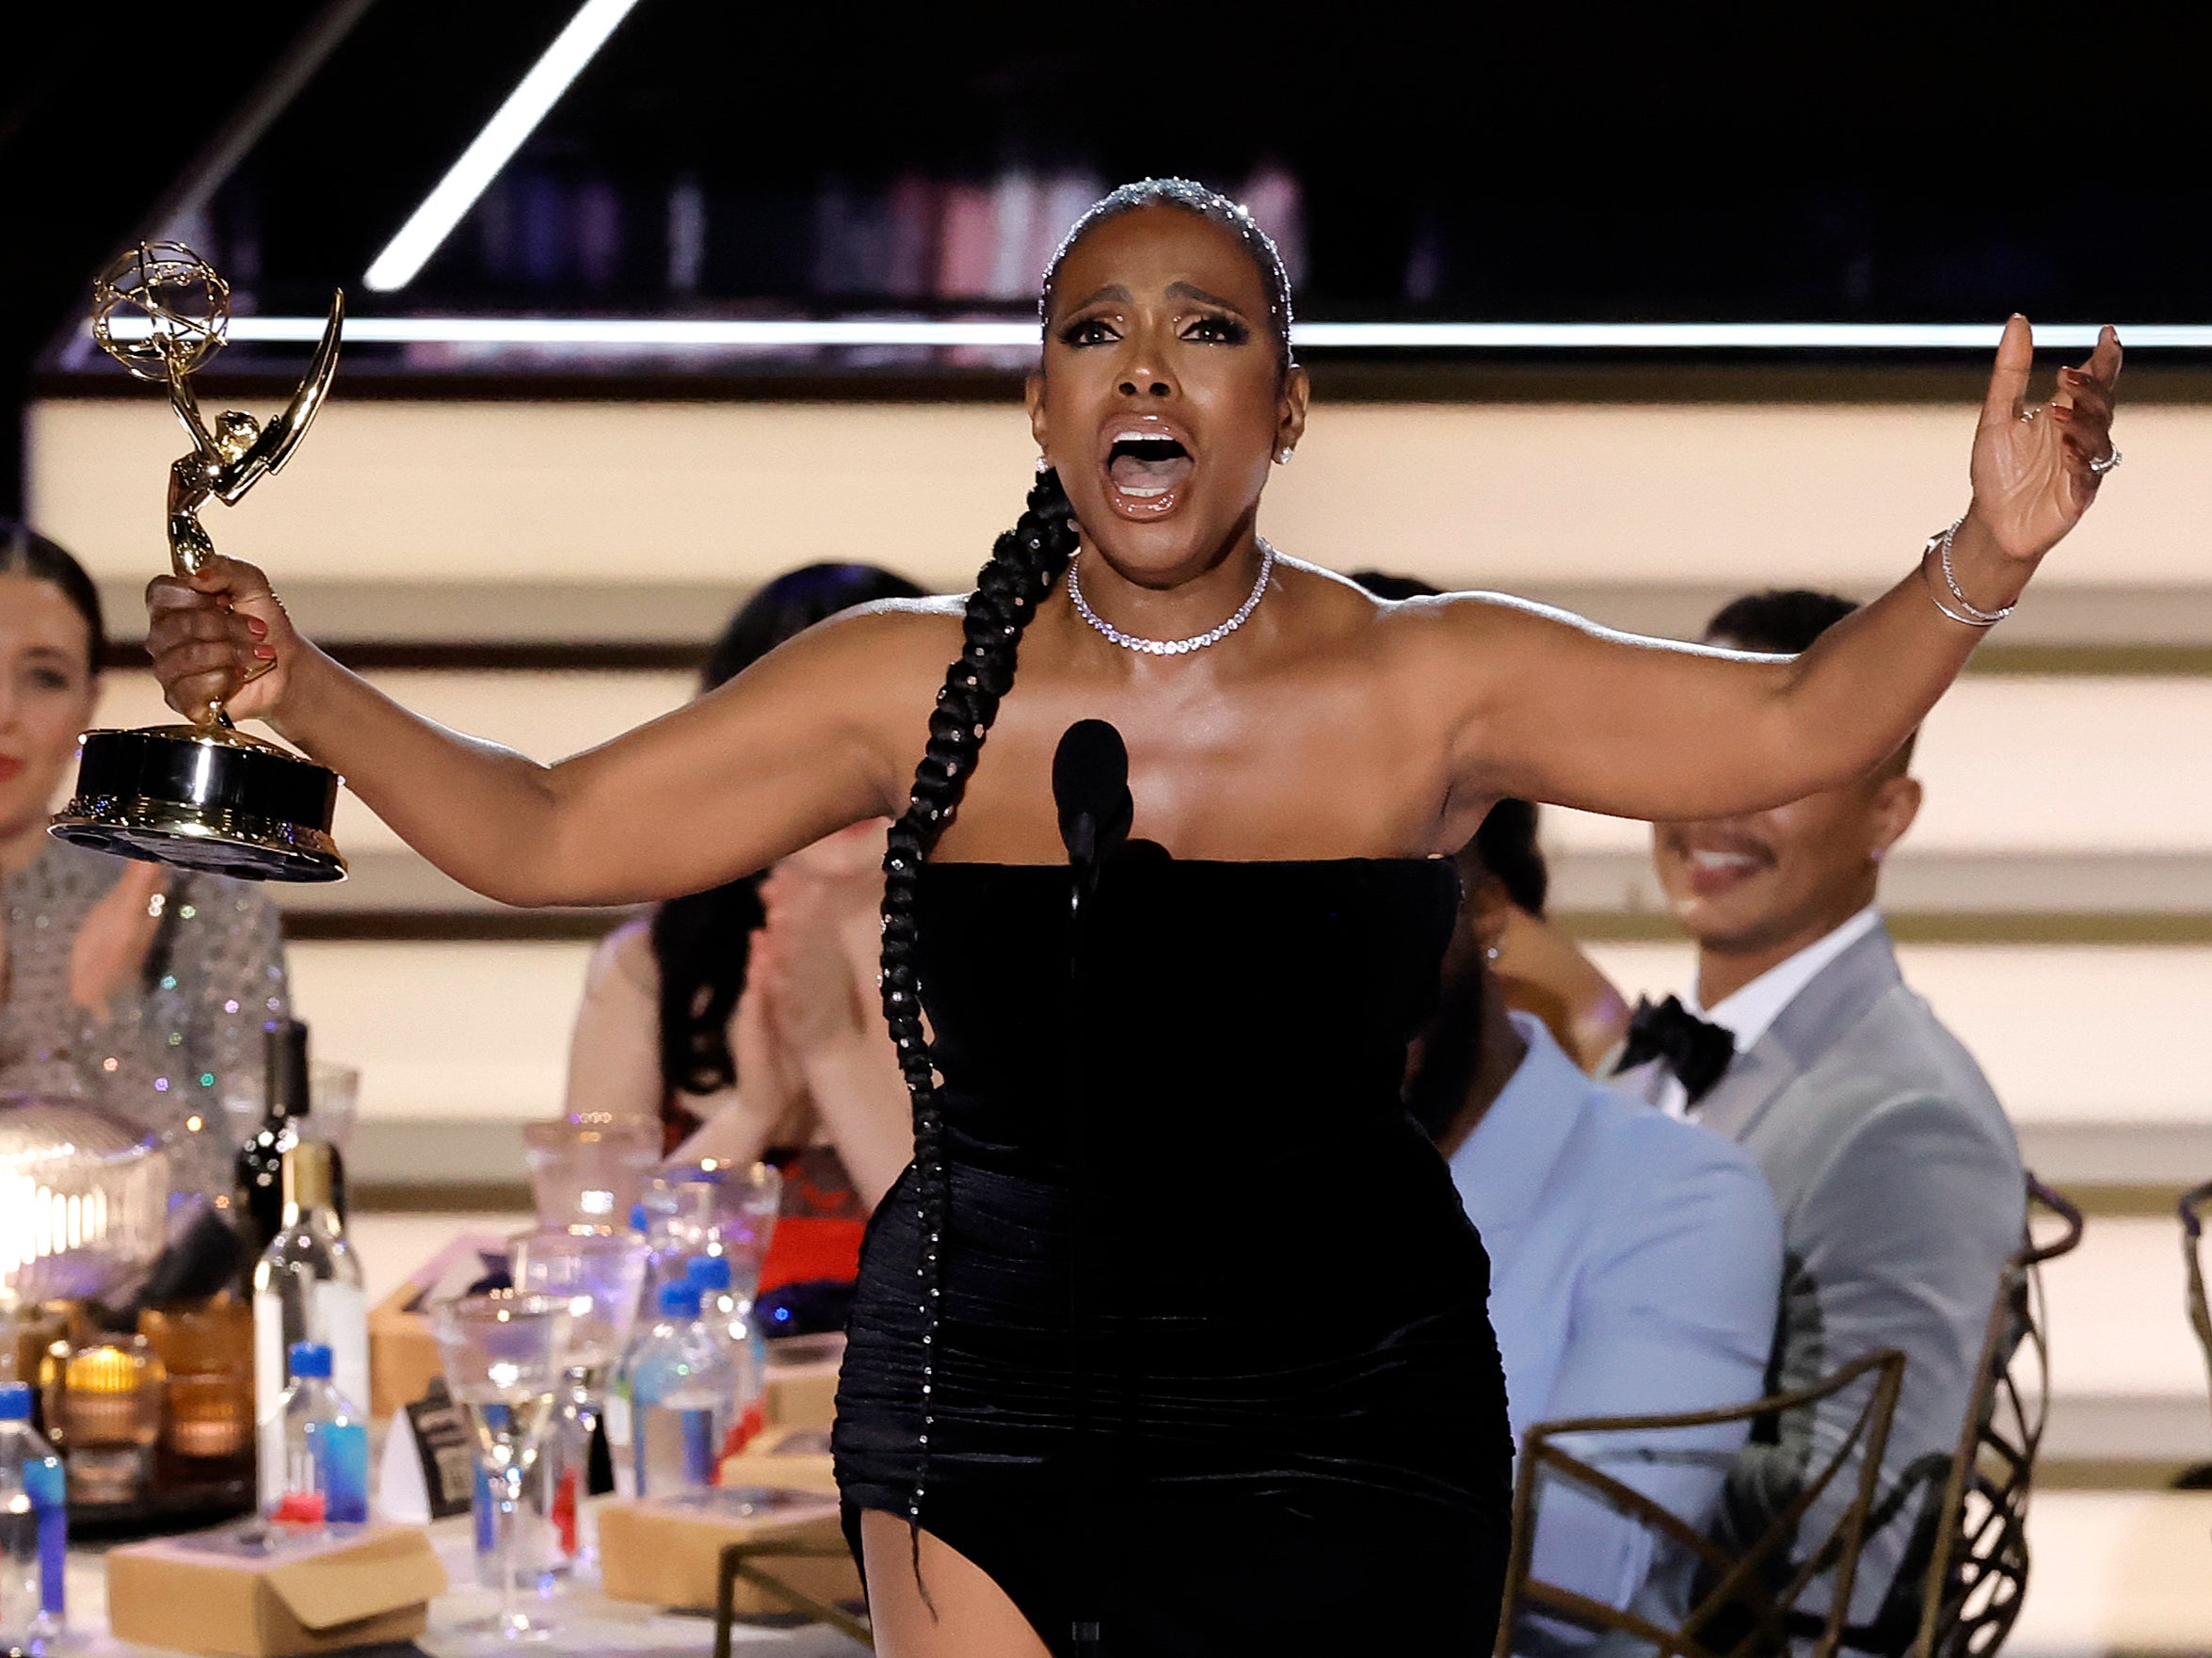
(1895, 1169)
(141, 990)
(1634, 1260)
(744, 1019)
(1538, 969)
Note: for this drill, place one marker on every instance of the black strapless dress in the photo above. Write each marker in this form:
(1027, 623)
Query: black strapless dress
(1214, 1364)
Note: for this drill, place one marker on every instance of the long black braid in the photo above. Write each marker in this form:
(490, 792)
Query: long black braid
(1023, 566)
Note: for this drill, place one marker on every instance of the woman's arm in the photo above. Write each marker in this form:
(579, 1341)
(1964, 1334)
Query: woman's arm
(818, 734)
(614, 1050)
(1559, 710)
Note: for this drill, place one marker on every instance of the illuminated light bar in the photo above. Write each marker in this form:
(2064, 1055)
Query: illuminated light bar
(1715, 336)
(676, 333)
(533, 95)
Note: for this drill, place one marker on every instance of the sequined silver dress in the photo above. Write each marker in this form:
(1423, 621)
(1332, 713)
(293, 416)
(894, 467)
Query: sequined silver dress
(184, 1056)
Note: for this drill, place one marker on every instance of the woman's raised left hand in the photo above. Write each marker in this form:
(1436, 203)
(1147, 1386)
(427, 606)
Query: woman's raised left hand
(2031, 470)
(818, 996)
(109, 951)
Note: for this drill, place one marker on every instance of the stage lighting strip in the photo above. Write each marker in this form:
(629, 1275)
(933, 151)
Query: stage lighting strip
(657, 335)
(491, 149)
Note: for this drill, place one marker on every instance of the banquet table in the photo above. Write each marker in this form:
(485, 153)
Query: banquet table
(2115, 1573)
(588, 1624)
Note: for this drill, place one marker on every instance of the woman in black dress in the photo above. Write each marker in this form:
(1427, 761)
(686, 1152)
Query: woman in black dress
(1094, 1399)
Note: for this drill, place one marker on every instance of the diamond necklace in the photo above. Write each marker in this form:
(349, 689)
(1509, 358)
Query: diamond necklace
(1174, 647)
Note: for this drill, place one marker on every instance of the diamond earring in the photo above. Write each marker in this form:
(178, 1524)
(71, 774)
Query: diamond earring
(1283, 455)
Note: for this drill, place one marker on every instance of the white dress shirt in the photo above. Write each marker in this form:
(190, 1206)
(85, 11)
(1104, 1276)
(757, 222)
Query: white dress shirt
(1635, 1263)
(1751, 1012)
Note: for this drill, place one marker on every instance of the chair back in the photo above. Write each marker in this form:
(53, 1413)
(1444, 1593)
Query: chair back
(1976, 1569)
(2193, 1205)
(1744, 1601)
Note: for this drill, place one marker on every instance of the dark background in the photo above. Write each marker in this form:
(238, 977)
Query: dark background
(1944, 164)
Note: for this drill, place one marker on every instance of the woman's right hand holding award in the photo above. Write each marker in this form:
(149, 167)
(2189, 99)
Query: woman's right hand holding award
(222, 636)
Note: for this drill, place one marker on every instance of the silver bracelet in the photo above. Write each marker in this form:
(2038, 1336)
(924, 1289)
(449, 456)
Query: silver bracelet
(1974, 615)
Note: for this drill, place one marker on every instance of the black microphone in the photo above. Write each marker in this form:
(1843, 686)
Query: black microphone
(1090, 789)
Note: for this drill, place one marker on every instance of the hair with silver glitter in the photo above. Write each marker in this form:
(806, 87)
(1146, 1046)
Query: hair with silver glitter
(1191, 197)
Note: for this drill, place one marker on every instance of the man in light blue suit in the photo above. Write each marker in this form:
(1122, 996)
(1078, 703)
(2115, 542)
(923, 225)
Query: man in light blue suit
(1635, 1261)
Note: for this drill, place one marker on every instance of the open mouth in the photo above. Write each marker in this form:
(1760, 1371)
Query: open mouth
(1147, 466)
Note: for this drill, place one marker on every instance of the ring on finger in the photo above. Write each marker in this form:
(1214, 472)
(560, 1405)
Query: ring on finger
(2031, 413)
(2101, 467)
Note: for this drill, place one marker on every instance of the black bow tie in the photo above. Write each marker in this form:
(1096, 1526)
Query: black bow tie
(1695, 1050)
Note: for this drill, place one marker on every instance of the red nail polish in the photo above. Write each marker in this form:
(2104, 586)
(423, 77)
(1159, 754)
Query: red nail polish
(257, 627)
(267, 653)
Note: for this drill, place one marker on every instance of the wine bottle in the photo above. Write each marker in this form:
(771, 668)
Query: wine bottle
(261, 1160)
(308, 1288)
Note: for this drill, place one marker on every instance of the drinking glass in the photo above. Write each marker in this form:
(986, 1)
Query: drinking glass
(602, 1278)
(585, 1171)
(507, 1358)
(723, 1209)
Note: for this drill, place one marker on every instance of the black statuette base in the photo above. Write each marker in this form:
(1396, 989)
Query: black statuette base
(218, 803)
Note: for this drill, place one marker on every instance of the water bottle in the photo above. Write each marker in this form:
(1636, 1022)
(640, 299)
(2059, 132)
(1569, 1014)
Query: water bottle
(307, 1287)
(315, 1454)
(682, 1392)
(728, 1312)
(34, 1529)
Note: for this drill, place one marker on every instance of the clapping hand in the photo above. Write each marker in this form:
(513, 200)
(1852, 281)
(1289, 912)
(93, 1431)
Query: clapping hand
(815, 960)
(2036, 467)
(109, 951)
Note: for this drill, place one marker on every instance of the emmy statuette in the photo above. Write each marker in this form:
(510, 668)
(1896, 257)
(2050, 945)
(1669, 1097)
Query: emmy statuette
(203, 795)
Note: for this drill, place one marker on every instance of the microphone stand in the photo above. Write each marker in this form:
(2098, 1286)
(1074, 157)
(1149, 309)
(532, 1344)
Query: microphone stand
(1090, 790)
(1085, 1633)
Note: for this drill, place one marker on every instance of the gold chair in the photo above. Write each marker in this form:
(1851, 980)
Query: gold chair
(1745, 1601)
(1965, 1570)
(2193, 1204)
(744, 1562)
(1961, 1581)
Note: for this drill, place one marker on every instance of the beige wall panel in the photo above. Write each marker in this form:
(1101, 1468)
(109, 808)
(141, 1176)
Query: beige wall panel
(466, 1031)
(1465, 494)
(2116, 1572)
(2115, 1313)
(583, 492)
(2066, 1033)
(2036, 765)
(2010, 764)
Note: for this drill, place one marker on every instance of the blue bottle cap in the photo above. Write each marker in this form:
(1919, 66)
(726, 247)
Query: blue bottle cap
(679, 1299)
(709, 1273)
(639, 1221)
(15, 1401)
(310, 1358)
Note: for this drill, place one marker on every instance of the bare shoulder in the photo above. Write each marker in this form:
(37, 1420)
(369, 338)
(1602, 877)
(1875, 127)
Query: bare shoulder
(1502, 638)
(892, 626)
(1413, 629)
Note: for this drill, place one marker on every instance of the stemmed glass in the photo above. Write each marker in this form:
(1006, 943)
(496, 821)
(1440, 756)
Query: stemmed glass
(507, 1358)
(602, 1278)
